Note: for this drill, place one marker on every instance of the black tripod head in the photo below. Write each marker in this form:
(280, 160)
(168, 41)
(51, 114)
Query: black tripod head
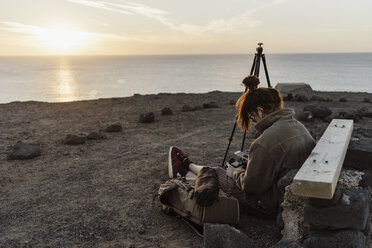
(259, 49)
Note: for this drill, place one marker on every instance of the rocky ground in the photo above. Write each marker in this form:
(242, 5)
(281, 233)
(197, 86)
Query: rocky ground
(100, 193)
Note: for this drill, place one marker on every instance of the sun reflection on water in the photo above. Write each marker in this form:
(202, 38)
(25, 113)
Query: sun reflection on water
(66, 83)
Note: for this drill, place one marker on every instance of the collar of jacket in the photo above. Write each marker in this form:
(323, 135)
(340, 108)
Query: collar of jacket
(271, 118)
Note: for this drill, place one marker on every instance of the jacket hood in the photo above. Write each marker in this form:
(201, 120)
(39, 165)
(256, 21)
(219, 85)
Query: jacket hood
(270, 119)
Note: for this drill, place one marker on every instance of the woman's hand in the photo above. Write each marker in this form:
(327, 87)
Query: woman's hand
(230, 170)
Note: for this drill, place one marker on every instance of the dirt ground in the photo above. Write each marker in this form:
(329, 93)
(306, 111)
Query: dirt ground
(100, 194)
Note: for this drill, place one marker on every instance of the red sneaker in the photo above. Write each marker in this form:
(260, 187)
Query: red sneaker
(178, 163)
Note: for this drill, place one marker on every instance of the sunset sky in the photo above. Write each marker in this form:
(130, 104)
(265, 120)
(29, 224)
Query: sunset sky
(116, 27)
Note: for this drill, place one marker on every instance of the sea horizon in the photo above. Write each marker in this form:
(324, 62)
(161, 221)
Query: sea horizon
(60, 78)
(179, 54)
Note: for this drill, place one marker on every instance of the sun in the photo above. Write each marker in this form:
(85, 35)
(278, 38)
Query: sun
(62, 40)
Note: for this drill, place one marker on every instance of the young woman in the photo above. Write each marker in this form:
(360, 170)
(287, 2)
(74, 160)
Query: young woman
(284, 144)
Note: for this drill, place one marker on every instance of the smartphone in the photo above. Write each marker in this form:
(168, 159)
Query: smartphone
(241, 154)
(234, 164)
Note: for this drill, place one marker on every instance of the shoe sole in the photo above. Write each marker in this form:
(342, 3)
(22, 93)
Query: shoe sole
(170, 167)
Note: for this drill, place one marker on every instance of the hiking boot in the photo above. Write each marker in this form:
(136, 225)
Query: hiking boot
(178, 163)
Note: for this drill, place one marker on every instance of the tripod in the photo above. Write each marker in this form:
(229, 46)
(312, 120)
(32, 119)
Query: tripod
(255, 71)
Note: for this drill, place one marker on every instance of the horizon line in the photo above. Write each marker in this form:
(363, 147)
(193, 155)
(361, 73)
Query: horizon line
(174, 54)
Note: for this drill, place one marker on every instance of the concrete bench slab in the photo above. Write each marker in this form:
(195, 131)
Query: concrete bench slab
(319, 174)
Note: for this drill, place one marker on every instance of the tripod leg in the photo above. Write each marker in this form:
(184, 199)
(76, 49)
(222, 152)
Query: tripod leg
(266, 73)
(253, 64)
(228, 146)
(257, 69)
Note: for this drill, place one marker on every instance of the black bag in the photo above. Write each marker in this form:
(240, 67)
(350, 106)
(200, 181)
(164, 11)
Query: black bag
(206, 187)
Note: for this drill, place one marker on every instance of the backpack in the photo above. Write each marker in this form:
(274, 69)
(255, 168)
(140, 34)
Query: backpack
(177, 196)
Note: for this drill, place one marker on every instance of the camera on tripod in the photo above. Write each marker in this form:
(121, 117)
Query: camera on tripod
(240, 162)
(255, 71)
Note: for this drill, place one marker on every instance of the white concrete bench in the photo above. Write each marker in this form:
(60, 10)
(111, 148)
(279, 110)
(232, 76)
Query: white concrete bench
(319, 174)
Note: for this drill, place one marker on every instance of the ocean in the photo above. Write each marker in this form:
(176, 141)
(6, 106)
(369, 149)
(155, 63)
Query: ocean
(69, 78)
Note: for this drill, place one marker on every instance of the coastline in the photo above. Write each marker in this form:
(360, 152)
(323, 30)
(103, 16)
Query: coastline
(100, 193)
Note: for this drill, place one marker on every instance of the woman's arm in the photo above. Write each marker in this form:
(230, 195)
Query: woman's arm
(261, 172)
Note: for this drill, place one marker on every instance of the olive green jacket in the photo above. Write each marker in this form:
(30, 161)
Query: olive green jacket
(284, 144)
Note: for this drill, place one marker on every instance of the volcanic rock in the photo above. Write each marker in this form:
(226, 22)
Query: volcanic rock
(210, 105)
(24, 151)
(351, 212)
(186, 108)
(166, 111)
(328, 239)
(222, 236)
(147, 117)
(350, 116)
(359, 154)
(319, 111)
(96, 136)
(115, 127)
(305, 116)
(72, 139)
(301, 98)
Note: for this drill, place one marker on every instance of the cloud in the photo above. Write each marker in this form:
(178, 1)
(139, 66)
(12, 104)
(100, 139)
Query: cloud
(36, 31)
(235, 25)
(128, 8)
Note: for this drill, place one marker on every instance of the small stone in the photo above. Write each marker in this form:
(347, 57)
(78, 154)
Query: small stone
(232, 102)
(343, 99)
(305, 116)
(141, 229)
(66, 153)
(319, 111)
(222, 236)
(147, 117)
(72, 139)
(186, 108)
(24, 151)
(301, 98)
(96, 136)
(366, 100)
(166, 111)
(210, 105)
(335, 239)
(350, 116)
(327, 119)
(115, 127)
(364, 112)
